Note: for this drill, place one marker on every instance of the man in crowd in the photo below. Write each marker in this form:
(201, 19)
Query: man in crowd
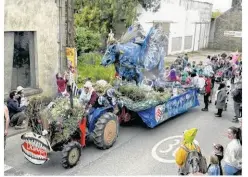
(237, 98)
(16, 113)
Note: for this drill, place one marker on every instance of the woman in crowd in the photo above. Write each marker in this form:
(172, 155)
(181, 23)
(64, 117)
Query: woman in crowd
(220, 99)
(233, 152)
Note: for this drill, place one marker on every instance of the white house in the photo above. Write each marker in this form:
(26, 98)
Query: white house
(186, 23)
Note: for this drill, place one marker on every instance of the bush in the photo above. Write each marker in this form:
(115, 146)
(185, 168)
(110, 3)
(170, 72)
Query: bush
(89, 67)
(87, 40)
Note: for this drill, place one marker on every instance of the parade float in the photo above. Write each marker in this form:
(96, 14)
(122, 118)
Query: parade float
(139, 63)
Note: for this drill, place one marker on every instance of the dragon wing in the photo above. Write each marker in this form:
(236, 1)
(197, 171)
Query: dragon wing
(153, 49)
(135, 33)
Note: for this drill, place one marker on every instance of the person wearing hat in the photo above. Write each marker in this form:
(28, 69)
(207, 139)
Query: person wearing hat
(88, 96)
(188, 144)
(237, 99)
(16, 113)
(20, 96)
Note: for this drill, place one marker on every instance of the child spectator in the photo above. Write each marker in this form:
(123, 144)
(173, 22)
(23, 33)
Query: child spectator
(213, 168)
(207, 92)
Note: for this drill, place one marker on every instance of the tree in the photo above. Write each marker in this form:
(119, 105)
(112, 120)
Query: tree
(95, 18)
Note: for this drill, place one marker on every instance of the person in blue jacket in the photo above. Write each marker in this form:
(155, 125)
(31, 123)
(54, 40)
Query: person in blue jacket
(16, 113)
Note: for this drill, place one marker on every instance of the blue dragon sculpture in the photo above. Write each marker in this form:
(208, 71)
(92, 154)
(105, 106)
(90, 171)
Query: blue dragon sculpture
(136, 60)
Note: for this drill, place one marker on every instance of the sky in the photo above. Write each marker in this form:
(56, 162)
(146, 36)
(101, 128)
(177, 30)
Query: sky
(222, 5)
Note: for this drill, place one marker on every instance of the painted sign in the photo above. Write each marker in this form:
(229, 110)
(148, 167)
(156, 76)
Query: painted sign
(71, 58)
(233, 33)
(176, 105)
(35, 148)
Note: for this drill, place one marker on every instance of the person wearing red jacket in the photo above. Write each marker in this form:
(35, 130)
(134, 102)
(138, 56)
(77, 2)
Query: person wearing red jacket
(62, 84)
(207, 93)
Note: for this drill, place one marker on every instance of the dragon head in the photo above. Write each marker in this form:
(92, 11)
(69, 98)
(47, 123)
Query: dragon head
(110, 55)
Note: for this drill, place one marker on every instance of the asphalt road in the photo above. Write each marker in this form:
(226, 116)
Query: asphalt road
(137, 151)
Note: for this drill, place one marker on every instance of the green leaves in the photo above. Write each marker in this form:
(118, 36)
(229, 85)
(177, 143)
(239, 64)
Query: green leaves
(86, 40)
(95, 18)
(89, 66)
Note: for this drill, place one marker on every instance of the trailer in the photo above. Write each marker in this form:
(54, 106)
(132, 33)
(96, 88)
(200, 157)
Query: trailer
(158, 114)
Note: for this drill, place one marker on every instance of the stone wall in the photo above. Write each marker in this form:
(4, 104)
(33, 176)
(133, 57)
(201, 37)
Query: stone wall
(229, 21)
(41, 17)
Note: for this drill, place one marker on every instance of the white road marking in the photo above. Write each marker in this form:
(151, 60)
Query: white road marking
(6, 167)
(171, 147)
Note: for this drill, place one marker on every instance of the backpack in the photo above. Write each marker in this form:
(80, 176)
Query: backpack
(194, 163)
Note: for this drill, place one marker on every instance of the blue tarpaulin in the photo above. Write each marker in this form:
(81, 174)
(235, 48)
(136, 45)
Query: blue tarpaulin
(175, 106)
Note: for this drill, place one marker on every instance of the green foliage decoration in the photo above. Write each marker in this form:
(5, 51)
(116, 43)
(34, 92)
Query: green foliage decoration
(64, 118)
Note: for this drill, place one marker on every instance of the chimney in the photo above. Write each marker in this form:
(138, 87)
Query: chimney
(236, 3)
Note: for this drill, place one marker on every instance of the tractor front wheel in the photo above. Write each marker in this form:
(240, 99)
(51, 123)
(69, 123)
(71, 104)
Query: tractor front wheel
(71, 154)
(106, 131)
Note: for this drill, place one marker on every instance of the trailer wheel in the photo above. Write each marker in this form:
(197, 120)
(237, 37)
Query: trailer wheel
(71, 154)
(106, 131)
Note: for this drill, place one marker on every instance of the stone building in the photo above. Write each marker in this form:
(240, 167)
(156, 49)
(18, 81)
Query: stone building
(36, 33)
(226, 30)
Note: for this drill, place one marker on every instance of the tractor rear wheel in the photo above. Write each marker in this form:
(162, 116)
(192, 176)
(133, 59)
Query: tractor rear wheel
(71, 154)
(106, 131)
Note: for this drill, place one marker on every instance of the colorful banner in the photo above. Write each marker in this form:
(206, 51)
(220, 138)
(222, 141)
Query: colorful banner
(71, 58)
(175, 106)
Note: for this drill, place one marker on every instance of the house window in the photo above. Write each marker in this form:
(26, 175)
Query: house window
(19, 61)
(188, 42)
(21, 73)
(176, 44)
